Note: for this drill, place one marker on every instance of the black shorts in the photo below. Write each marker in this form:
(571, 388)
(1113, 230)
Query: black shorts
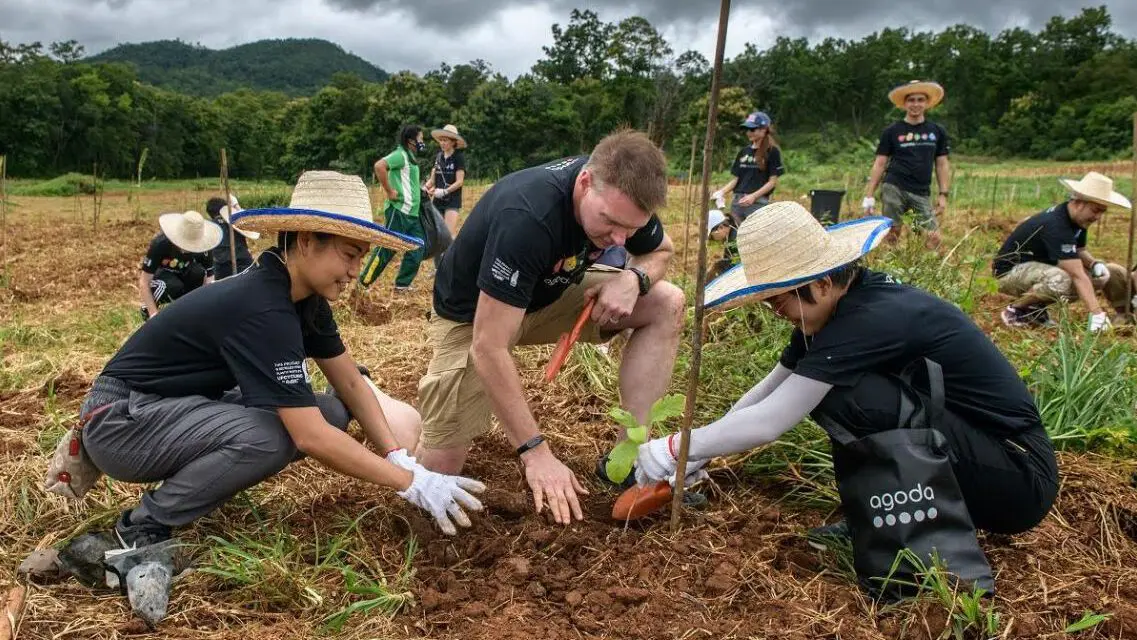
(453, 201)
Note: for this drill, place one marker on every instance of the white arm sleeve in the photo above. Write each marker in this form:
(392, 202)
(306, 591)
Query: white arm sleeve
(776, 377)
(760, 423)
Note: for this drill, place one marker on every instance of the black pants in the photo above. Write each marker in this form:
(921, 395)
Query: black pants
(1008, 483)
(222, 270)
(167, 286)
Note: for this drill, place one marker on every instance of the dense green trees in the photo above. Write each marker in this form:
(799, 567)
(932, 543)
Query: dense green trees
(1065, 92)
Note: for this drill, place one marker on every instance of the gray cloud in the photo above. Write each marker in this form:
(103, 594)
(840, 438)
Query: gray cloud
(420, 34)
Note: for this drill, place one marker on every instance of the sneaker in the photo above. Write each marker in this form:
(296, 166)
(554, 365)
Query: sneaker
(1038, 316)
(821, 538)
(602, 473)
(1014, 316)
(406, 289)
(133, 536)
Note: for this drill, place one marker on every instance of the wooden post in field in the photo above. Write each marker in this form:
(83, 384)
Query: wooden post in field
(225, 187)
(4, 218)
(95, 203)
(701, 274)
(687, 207)
(1132, 225)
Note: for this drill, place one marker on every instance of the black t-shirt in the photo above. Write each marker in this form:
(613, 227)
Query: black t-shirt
(446, 171)
(1047, 237)
(164, 254)
(881, 326)
(912, 150)
(522, 244)
(750, 176)
(243, 331)
(221, 252)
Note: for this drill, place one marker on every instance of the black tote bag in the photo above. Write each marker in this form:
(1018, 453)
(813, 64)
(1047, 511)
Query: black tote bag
(899, 491)
(435, 234)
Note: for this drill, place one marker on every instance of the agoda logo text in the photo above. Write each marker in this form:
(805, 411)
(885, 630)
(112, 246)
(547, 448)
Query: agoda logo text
(889, 501)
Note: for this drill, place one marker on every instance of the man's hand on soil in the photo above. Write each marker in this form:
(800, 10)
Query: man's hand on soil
(615, 299)
(554, 484)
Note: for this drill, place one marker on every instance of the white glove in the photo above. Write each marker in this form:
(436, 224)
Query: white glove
(1098, 270)
(443, 497)
(657, 461)
(401, 458)
(1133, 303)
(1099, 322)
(868, 204)
(720, 198)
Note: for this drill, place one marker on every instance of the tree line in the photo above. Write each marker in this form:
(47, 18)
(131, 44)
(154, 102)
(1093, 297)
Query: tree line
(1067, 91)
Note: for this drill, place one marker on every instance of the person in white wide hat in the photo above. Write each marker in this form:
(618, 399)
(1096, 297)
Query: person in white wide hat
(212, 408)
(448, 175)
(905, 156)
(1045, 258)
(221, 212)
(856, 330)
(177, 261)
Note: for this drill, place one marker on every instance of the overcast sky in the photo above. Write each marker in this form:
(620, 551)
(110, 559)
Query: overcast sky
(509, 34)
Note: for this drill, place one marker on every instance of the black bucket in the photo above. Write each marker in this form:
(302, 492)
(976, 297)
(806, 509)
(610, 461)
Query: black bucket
(825, 205)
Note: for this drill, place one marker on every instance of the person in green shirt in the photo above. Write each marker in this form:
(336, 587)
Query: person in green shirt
(398, 173)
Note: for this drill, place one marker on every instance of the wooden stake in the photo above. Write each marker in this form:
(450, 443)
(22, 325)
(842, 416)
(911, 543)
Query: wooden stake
(225, 188)
(4, 216)
(1132, 226)
(701, 274)
(95, 197)
(687, 207)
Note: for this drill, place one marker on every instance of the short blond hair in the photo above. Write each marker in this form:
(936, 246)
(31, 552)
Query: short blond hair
(629, 161)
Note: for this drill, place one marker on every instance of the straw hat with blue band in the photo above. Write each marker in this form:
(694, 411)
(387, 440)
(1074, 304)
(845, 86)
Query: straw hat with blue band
(327, 202)
(782, 246)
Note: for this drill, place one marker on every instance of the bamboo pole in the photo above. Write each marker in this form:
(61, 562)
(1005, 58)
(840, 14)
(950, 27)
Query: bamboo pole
(1132, 226)
(4, 217)
(687, 208)
(228, 200)
(701, 275)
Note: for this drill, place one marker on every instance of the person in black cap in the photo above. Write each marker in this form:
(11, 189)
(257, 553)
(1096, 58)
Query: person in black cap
(222, 262)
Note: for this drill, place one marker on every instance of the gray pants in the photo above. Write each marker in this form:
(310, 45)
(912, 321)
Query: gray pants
(203, 451)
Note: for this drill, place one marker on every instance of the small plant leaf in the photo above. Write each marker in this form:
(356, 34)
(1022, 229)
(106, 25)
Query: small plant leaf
(623, 418)
(667, 407)
(1089, 621)
(621, 459)
(637, 435)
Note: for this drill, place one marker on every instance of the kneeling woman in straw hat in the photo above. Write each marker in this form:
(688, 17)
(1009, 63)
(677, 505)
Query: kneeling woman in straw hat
(178, 260)
(212, 408)
(856, 329)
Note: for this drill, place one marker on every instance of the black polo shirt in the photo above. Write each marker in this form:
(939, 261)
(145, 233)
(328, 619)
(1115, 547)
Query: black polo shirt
(522, 244)
(1047, 237)
(242, 331)
(880, 326)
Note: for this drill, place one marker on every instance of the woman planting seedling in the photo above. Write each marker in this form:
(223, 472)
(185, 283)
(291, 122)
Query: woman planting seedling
(856, 331)
(211, 409)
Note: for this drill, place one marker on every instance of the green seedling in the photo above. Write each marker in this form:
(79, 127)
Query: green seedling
(1089, 621)
(623, 456)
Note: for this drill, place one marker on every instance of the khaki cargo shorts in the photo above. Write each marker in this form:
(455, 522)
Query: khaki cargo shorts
(455, 408)
(1052, 282)
(895, 202)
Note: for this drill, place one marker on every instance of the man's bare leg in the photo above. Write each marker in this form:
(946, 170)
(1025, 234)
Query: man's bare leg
(649, 357)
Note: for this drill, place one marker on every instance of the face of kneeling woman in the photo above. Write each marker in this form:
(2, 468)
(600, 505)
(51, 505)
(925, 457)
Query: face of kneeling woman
(810, 306)
(322, 264)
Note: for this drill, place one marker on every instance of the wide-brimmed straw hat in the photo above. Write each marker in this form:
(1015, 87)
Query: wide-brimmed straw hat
(782, 246)
(327, 202)
(449, 131)
(227, 211)
(1096, 188)
(190, 231)
(931, 89)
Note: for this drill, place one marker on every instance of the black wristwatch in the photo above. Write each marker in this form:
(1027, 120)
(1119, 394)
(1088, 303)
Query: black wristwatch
(644, 278)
